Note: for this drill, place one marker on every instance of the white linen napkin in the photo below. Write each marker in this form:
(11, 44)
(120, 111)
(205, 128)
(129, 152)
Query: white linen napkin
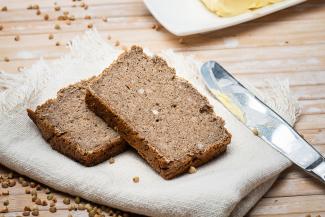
(227, 186)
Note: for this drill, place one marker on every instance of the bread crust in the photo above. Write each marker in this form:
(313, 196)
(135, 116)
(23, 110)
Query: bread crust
(64, 142)
(167, 168)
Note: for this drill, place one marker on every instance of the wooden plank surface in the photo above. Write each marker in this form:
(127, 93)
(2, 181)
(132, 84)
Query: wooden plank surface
(289, 44)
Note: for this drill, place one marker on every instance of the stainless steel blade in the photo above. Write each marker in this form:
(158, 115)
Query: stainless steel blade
(262, 120)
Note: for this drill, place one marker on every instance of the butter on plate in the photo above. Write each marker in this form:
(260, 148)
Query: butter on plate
(226, 8)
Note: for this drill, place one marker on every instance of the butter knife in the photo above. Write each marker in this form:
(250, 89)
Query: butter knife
(262, 120)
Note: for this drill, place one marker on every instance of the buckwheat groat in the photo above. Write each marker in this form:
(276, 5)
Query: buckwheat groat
(163, 117)
(74, 130)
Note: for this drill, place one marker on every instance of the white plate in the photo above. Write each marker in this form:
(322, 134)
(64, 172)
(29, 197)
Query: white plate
(186, 17)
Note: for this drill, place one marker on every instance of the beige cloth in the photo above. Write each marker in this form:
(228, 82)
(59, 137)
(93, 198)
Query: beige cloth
(229, 185)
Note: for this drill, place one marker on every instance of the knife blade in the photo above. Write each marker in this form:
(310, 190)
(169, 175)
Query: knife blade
(262, 120)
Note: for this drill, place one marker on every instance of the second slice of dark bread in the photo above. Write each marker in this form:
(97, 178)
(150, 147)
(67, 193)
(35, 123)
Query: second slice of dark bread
(169, 123)
(74, 130)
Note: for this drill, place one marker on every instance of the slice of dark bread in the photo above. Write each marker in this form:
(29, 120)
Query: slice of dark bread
(74, 130)
(169, 123)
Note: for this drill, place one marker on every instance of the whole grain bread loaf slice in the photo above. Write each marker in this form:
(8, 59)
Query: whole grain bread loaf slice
(169, 123)
(74, 130)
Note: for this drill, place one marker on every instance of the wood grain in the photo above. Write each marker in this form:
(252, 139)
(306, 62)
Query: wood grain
(289, 44)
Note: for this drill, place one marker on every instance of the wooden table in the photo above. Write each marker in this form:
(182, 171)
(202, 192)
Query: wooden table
(288, 44)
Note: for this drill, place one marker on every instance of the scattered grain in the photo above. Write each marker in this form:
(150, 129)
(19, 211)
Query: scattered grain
(60, 17)
(27, 191)
(6, 59)
(155, 27)
(34, 198)
(51, 36)
(66, 13)
(92, 213)
(66, 201)
(24, 183)
(181, 41)
(88, 207)
(27, 208)
(46, 17)
(77, 200)
(38, 12)
(81, 207)
(38, 187)
(86, 7)
(29, 7)
(192, 170)
(57, 44)
(72, 18)
(17, 38)
(109, 37)
(136, 179)
(52, 204)
(26, 213)
(68, 22)
(1, 27)
(308, 215)
(35, 212)
(4, 8)
(12, 182)
(87, 17)
(57, 27)
(34, 192)
(38, 201)
(5, 193)
(90, 25)
(52, 209)
(6, 202)
(57, 8)
(50, 197)
(117, 43)
(255, 131)
(111, 160)
(5, 184)
(20, 69)
(32, 184)
(44, 203)
(105, 19)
